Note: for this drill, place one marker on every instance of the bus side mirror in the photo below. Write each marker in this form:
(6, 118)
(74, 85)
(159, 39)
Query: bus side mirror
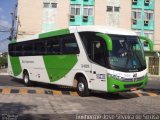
(107, 40)
(147, 42)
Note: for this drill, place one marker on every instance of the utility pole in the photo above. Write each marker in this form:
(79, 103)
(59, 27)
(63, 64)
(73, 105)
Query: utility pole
(14, 18)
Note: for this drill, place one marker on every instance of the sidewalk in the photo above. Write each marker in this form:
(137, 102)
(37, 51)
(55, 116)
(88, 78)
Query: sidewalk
(3, 71)
(154, 77)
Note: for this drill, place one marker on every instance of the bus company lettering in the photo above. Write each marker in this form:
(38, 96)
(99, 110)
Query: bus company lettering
(25, 61)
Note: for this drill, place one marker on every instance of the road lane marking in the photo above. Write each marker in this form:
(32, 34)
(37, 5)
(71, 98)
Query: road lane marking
(57, 92)
(23, 91)
(74, 94)
(138, 94)
(40, 91)
(6, 91)
(152, 94)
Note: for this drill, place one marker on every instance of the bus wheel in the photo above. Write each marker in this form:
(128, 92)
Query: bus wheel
(26, 79)
(82, 87)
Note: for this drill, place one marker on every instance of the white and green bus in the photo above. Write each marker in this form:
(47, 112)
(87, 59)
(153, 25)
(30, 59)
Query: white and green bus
(86, 57)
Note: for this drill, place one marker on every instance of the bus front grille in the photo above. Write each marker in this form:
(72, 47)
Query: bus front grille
(133, 85)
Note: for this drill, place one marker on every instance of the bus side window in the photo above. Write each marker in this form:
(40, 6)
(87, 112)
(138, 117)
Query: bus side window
(70, 45)
(95, 47)
(39, 47)
(11, 49)
(98, 51)
(86, 40)
(18, 49)
(53, 46)
(27, 50)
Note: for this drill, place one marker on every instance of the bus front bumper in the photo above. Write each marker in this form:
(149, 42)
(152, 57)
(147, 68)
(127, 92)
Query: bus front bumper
(115, 85)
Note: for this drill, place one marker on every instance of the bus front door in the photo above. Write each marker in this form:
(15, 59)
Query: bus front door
(99, 80)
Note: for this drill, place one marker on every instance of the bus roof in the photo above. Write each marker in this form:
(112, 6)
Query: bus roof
(73, 29)
(102, 29)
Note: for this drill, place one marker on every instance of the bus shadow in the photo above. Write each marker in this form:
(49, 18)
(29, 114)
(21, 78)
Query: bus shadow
(115, 96)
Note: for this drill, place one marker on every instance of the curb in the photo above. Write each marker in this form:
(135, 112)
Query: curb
(24, 91)
(4, 74)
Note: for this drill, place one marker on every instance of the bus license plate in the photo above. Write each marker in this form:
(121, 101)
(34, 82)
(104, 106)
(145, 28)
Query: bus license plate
(133, 89)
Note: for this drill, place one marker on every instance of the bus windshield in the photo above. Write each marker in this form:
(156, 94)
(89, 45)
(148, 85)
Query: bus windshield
(127, 54)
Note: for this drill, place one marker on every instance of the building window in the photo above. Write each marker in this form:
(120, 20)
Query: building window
(88, 11)
(75, 10)
(109, 8)
(113, 8)
(148, 16)
(49, 5)
(53, 5)
(149, 35)
(46, 5)
(146, 2)
(116, 9)
(134, 2)
(136, 15)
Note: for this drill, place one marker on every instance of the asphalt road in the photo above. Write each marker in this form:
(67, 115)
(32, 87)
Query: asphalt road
(9, 81)
(67, 107)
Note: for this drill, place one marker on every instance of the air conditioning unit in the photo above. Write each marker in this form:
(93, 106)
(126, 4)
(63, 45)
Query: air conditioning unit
(72, 17)
(134, 2)
(85, 18)
(134, 21)
(146, 22)
(146, 2)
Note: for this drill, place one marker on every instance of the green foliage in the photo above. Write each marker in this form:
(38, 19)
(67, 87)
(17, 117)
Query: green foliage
(3, 61)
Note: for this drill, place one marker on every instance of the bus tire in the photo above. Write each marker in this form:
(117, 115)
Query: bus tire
(82, 87)
(26, 79)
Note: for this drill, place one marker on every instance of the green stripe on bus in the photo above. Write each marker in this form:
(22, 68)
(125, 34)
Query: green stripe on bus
(54, 33)
(58, 66)
(16, 66)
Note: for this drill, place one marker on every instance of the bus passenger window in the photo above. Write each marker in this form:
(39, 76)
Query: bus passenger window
(53, 46)
(70, 45)
(27, 50)
(98, 53)
(39, 47)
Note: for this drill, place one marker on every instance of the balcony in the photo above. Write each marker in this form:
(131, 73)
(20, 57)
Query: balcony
(148, 25)
(142, 24)
(88, 2)
(148, 4)
(84, 2)
(81, 20)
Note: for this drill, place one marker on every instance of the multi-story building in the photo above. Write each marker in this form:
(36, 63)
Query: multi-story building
(142, 16)
(55, 14)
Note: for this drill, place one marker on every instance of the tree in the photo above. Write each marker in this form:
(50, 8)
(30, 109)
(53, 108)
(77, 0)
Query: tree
(3, 61)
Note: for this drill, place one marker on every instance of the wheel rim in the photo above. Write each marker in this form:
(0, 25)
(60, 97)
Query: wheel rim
(26, 79)
(81, 87)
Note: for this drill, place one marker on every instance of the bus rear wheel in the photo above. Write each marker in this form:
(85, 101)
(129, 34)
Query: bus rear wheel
(26, 79)
(82, 87)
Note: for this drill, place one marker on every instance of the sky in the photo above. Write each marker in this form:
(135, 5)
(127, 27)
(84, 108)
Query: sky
(6, 7)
